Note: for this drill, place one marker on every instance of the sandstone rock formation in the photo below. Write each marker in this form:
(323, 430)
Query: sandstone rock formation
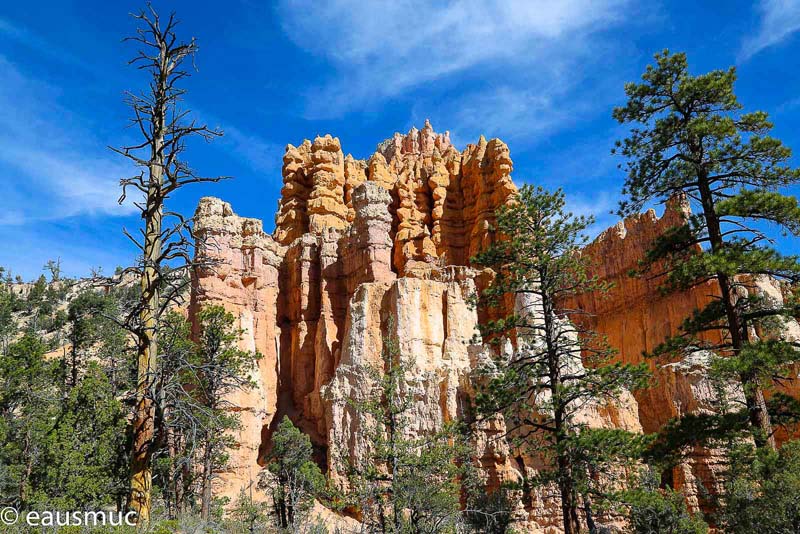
(241, 272)
(359, 241)
(636, 317)
(442, 201)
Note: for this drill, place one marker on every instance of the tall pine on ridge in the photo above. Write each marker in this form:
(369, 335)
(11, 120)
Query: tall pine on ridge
(690, 138)
(558, 368)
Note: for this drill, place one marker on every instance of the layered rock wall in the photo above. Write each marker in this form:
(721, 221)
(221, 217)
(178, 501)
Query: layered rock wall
(240, 270)
(636, 316)
(442, 200)
(359, 241)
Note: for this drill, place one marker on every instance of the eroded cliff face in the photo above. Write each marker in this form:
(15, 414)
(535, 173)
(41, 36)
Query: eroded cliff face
(636, 317)
(345, 226)
(359, 241)
(241, 266)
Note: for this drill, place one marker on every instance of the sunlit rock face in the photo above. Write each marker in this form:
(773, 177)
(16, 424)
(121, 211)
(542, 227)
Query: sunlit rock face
(365, 249)
(636, 317)
(442, 200)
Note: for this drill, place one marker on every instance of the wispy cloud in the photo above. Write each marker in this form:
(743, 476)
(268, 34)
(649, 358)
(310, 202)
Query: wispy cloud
(387, 49)
(22, 35)
(254, 151)
(779, 19)
(598, 205)
(48, 154)
(258, 153)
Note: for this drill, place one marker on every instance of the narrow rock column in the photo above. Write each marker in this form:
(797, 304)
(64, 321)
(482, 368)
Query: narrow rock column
(326, 205)
(367, 248)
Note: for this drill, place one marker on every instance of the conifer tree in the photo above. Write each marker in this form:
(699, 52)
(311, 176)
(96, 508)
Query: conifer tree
(60, 448)
(217, 369)
(27, 397)
(83, 463)
(8, 305)
(294, 479)
(86, 320)
(405, 482)
(558, 367)
(177, 426)
(690, 138)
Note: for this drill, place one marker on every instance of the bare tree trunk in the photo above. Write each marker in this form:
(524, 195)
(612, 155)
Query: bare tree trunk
(144, 421)
(143, 426)
(162, 171)
(208, 466)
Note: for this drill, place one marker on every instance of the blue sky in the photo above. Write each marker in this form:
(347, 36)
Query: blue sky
(541, 75)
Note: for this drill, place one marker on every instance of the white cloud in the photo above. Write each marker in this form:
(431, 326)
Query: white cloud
(259, 154)
(599, 205)
(382, 50)
(53, 166)
(779, 20)
(388, 47)
(27, 38)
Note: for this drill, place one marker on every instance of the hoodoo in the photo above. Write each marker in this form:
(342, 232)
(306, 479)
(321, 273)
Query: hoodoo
(359, 241)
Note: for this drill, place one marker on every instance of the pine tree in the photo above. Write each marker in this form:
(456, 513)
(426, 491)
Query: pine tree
(404, 483)
(557, 367)
(84, 460)
(60, 449)
(86, 315)
(762, 491)
(652, 509)
(217, 369)
(177, 424)
(27, 408)
(690, 138)
(294, 479)
(8, 324)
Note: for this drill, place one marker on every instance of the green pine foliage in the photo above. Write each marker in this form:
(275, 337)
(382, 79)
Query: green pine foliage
(690, 139)
(215, 370)
(83, 464)
(558, 367)
(762, 491)
(9, 303)
(27, 406)
(652, 509)
(292, 477)
(59, 451)
(177, 425)
(195, 418)
(405, 483)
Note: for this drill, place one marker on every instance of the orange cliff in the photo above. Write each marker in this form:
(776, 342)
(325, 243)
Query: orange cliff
(359, 241)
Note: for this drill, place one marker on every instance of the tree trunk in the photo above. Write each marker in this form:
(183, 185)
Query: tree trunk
(141, 474)
(566, 486)
(74, 365)
(144, 420)
(144, 423)
(754, 395)
(587, 510)
(569, 501)
(208, 466)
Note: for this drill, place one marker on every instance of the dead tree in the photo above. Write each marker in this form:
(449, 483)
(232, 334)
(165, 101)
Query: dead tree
(166, 239)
